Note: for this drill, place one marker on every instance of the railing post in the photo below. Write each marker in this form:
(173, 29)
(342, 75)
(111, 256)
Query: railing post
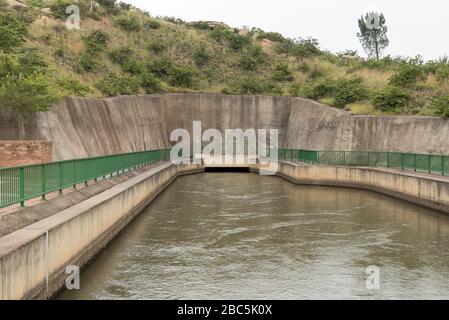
(60, 177)
(429, 163)
(318, 157)
(388, 160)
(22, 186)
(415, 163)
(442, 165)
(43, 180)
(402, 161)
(344, 158)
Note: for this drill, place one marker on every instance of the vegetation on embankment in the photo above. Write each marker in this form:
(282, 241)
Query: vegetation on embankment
(122, 50)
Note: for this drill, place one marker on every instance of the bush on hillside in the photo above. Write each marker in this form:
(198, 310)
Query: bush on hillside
(182, 77)
(161, 67)
(407, 75)
(441, 106)
(253, 85)
(71, 86)
(342, 91)
(252, 58)
(152, 24)
(150, 83)
(12, 30)
(235, 40)
(96, 41)
(114, 85)
(120, 55)
(391, 98)
(282, 72)
(128, 23)
(201, 56)
(442, 73)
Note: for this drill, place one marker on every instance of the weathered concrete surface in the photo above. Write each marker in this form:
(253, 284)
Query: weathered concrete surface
(76, 234)
(425, 190)
(17, 219)
(80, 127)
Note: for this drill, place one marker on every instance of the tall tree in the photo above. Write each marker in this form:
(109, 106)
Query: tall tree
(31, 93)
(373, 33)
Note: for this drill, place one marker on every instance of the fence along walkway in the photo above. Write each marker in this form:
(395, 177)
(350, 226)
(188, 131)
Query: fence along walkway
(405, 161)
(18, 184)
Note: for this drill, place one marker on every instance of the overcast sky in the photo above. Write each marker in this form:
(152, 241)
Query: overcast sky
(415, 27)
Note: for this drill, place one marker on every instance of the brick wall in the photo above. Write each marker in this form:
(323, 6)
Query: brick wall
(14, 153)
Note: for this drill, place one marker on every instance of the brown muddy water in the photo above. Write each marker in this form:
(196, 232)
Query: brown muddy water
(243, 236)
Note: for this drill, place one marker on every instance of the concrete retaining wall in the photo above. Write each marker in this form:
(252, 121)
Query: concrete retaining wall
(75, 235)
(428, 191)
(80, 127)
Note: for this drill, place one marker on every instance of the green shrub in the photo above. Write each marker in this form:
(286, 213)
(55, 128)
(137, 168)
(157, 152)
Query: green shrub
(121, 55)
(391, 98)
(442, 73)
(252, 58)
(87, 62)
(128, 23)
(182, 77)
(253, 85)
(114, 85)
(441, 106)
(342, 91)
(201, 56)
(407, 75)
(133, 66)
(161, 67)
(72, 86)
(150, 83)
(152, 24)
(282, 72)
(272, 36)
(12, 30)
(300, 48)
(96, 41)
(156, 46)
(235, 40)
(294, 90)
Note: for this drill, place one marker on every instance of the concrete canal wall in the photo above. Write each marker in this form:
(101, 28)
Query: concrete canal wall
(42, 251)
(81, 127)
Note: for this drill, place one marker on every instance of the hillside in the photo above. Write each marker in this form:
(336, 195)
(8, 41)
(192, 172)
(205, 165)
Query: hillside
(122, 50)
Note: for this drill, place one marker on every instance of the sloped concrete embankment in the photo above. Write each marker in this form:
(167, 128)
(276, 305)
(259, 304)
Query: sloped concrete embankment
(425, 190)
(81, 127)
(33, 260)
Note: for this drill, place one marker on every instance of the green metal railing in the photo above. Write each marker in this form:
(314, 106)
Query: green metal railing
(18, 184)
(405, 161)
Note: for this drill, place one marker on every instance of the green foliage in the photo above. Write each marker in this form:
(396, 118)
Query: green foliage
(391, 98)
(150, 83)
(109, 5)
(152, 24)
(182, 77)
(96, 41)
(342, 91)
(71, 86)
(282, 72)
(120, 55)
(272, 36)
(300, 48)
(128, 23)
(373, 33)
(253, 85)
(87, 62)
(31, 93)
(407, 75)
(294, 90)
(133, 66)
(114, 85)
(252, 58)
(442, 73)
(235, 40)
(12, 30)
(161, 67)
(201, 56)
(156, 46)
(440, 105)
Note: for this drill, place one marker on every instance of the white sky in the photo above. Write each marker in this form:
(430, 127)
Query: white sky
(415, 27)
